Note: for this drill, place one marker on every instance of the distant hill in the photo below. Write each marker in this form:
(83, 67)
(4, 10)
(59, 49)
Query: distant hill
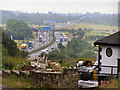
(38, 18)
(18, 28)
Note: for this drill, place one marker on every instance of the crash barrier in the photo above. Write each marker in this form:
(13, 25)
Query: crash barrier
(66, 79)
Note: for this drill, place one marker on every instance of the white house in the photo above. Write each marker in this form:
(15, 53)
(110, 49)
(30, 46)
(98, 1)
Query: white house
(108, 53)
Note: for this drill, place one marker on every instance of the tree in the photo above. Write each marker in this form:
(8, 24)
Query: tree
(4, 51)
(10, 45)
(61, 47)
(18, 28)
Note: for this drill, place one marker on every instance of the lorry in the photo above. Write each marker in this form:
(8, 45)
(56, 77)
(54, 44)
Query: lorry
(30, 45)
(61, 39)
(65, 38)
(40, 38)
(23, 46)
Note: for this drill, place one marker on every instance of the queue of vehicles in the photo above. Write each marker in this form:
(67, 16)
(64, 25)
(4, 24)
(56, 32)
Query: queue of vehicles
(30, 45)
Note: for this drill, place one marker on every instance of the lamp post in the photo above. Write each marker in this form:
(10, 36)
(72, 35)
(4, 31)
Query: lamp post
(39, 35)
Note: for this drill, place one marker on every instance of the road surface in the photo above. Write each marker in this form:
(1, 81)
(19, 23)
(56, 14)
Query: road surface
(51, 47)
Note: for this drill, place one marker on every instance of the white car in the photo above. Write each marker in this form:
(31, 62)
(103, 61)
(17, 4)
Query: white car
(87, 84)
(46, 49)
(52, 47)
(57, 41)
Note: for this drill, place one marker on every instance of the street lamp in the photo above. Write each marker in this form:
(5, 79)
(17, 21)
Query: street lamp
(39, 35)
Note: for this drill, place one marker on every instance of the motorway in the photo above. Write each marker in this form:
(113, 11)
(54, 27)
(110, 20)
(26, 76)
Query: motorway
(50, 48)
(46, 38)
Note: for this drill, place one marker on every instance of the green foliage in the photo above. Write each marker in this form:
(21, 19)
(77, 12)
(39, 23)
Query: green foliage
(61, 47)
(4, 51)
(12, 63)
(14, 82)
(11, 56)
(7, 63)
(22, 54)
(56, 55)
(18, 28)
(9, 48)
(75, 48)
(10, 45)
(38, 18)
(79, 47)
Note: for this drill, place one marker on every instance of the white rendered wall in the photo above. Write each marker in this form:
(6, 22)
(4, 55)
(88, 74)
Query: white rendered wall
(109, 61)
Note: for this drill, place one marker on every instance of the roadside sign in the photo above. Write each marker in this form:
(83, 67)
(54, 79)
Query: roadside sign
(45, 28)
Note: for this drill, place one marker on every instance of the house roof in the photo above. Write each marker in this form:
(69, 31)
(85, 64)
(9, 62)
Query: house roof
(112, 40)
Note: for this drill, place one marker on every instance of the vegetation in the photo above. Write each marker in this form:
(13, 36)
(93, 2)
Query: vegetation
(38, 18)
(18, 28)
(56, 55)
(77, 47)
(13, 81)
(11, 55)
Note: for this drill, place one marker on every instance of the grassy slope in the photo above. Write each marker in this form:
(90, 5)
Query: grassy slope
(92, 26)
(15, 82)
(92, 33)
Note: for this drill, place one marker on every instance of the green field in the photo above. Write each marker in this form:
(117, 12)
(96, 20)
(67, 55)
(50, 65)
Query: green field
(92, 26)
(98, 30)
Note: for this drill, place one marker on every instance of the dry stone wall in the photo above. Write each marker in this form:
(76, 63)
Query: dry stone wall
(66, 79)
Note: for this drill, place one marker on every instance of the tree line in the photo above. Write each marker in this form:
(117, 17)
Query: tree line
(11, 55)
(38, 18)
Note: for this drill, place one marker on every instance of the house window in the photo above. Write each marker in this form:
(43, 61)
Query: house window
(109, 52)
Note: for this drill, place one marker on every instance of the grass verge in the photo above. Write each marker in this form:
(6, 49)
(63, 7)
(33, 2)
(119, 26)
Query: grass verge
(14, 81)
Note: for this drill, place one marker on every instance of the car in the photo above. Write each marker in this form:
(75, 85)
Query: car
(87, 84)
(57, 41)
(47, 36)
(60, 33)
(52, 47)
(46, 49)
(40, 40)
(43, 41)
(43, 51)
(36, 40)
(30, 47)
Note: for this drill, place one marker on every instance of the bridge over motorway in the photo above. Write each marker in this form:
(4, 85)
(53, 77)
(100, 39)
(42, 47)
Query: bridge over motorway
(62, 30)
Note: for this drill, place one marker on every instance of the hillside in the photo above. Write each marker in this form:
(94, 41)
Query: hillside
(38, 18)
(18, 28)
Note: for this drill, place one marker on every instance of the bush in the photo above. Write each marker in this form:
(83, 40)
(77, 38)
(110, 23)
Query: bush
(56, 55)
(11, 63)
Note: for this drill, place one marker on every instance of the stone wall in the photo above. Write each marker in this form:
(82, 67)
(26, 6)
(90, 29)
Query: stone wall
(66, 79)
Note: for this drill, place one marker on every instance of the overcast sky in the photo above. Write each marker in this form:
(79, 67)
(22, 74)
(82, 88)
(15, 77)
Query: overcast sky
(61, 6)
